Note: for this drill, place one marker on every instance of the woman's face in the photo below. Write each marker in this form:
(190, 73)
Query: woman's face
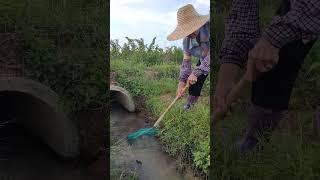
(193, 35)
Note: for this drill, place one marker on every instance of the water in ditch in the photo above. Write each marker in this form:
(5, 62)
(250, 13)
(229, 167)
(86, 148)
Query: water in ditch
(144, 156)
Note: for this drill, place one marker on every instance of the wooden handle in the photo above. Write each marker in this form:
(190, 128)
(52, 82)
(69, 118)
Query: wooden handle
(233, 95)
(237, 90)
(169, 107)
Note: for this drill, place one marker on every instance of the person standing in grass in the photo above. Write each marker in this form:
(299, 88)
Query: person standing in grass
(195, 31)
(276, 55)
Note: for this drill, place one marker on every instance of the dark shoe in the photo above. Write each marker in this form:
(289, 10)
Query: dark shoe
(260, 120)
(191, 100)
(246, 145)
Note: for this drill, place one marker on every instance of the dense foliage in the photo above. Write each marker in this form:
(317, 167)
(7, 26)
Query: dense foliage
(65, 46)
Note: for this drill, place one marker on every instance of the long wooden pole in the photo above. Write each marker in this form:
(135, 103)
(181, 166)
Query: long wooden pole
(169, 107)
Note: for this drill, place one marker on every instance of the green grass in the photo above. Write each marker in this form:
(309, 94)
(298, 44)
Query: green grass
(185, 134)
(119, 174)
(290, 153)
(65, 45)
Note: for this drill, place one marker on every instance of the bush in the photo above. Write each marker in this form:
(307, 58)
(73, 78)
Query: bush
(137, 51)
(65, 44)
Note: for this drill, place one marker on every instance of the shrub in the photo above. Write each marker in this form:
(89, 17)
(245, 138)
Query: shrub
(65, 43)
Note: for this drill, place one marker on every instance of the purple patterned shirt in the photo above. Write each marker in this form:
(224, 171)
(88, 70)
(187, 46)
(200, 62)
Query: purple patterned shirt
(199, 47)
(242, 27)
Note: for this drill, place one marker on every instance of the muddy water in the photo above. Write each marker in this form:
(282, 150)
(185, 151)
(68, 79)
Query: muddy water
(24, 157)
(144, 156)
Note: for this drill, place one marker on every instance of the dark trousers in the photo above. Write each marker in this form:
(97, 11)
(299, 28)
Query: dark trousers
(273, 89)
(195, 89)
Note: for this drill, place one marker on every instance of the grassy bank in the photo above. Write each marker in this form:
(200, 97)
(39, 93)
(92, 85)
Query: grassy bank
(152, 72)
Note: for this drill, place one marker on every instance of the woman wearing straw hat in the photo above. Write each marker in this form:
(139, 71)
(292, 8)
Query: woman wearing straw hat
(195, 31)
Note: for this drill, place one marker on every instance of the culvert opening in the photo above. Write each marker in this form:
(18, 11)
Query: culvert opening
(122, 97)
(37, 108)
(40, 119)
(20, 124)
(19, 143)
(29, 131)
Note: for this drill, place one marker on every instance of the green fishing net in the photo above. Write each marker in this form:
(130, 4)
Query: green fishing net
(144, 131)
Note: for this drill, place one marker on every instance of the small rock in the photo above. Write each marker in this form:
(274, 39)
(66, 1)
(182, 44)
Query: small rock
(138, 162)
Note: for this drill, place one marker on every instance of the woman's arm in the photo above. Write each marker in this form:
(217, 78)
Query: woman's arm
(302, 18)
(185, 67)
(204, 67)
(241, 32)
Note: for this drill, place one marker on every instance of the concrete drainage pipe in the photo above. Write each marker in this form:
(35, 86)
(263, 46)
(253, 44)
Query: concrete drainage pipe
(36, 107)
(123, 97)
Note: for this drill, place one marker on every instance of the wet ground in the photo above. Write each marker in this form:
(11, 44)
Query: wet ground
(145, 155)
(24, 157)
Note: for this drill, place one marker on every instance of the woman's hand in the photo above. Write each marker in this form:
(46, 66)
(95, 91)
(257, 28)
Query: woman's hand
(192, 79)
(228, 73)
(264, 55)
(179, 92)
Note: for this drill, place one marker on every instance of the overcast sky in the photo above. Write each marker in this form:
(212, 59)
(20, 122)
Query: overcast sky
(149, 18)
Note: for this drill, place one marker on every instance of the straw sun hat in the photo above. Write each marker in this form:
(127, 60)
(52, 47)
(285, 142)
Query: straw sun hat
(188, 22)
